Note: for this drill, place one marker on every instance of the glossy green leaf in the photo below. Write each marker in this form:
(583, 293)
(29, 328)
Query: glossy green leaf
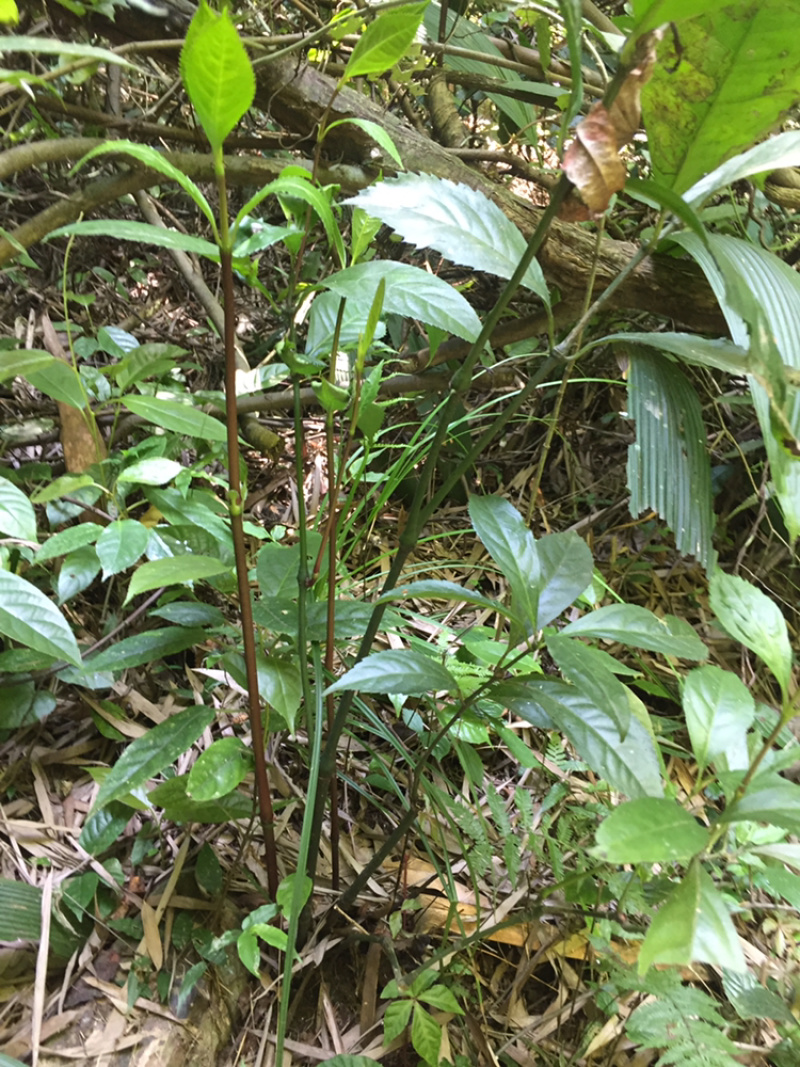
(28, 617)
(441, 590)
(23, 362)
(102, 829)
(60, 382)
(459, 222)
(158, 470)
(385, 40)
(144, 648)
(216, 72)
(657, 195)
(633, 625)
(145, 361)
(751, 1000)
(783, 150)
(152, 752)
(719, 711)
(219, 769)
(280, 685)
(173, 570)
(173, 415)
(397, 671)
(410, 292)
(565, 570)
(511, 545)
(377, 133)
(66, 485)
(649, 830)
(277, 568)
(78, 571)
(693, 926)
(85, 533)
(190, 613)
(197, 508)
(700, 351)
(585, 668)
(17, 517)
(141, 233)
(178, 807)
(120, 545)
(73, 49)
(300, 187)
(751, 617)
(770, 799)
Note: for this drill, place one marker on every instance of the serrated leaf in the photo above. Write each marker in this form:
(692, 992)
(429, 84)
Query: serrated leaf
(669, 470)
(120, 545)
(751, 617)
(719, 711)
(410, 292)
(693, 927)
(218, 76)
(28, 617)
(17, 517)
(385, 41)
(461, 223)
(178, 417)
(152, 752)
(397, 671)
(649, 830)
(633, 625)
(173, 570)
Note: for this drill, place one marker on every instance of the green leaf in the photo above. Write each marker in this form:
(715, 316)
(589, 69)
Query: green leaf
(770, 799)
(441, 590)
(85, 533)
(426, 1035)
(141, 232)
(280, 686)
(396, 1019)
(66, 485)
(173, 570)
(78, 571)
(145, 361)
(219, 769)
(21, 919)
(73, 49)
(440, 997)
(299, 186)
(397, 671)
(649, 830)
(153, 160)
(782, 150)
(511, 545)
(17, 517)
(377, 133)
(28, 617)
(715, 90)
(669, 469)
(693, 926)
(343, 1060)
(565, 570)
(120, 545)
(155, 471)
(151, 753)
(699, 351)
(410, 292)
(751, 1000)
(719, 711)
(461, 223)
(60, 382)
(656, 195)
(385, 41)
(216, 72)
(180, 808)
(144, 648)
(277, 567)
(751, 617)
(586, 668)
(636, 626)
(23, 362)
(103, 829)
(178, 417)
(630, 766)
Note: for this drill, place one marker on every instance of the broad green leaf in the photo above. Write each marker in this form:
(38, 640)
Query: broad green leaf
(190, 613)
(120, 545)
(174, 570)
(397, 671)
(22, 705)
(171, 796)
(344, 1060)
(9, 16)
(396, 1019)
(629, 766)
(176, 416)
(719, 711)
(565, 570)
(585, 668)
(751, 1000)
(155, 471)
(715, 90)
(78, 570)
(410, 292)
(23, 362)
(510, 543)
(656, 195)
(73, 49)
(21, 920)
(277, 567)
(669, 470)
(783, 150)
(102, 829)
(770, 799)
(299, 186)
(144, 648)
(146, 361)
(440, 997)
(648, 14)
(751, 617)
(60, 382)
(426, 1035)
(219, 769)
(66, 485)
(17, 517)
(700, 351)
(216, 72)
(377, 133)
(633, 625)
(141, 232)
(151, 753)
(280, 686)
(385, 41)
(441, 590)
(753, 287)
(198, 508)
(153, 160)
(460, 223)
(649, 830)
(85, 533)
(693, 927)
(28, 617)
(350, 619)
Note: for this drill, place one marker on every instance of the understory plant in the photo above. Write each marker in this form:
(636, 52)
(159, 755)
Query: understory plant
(664, 862)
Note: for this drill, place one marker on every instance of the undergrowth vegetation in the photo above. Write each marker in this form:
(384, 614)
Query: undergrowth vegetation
(494, 797)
